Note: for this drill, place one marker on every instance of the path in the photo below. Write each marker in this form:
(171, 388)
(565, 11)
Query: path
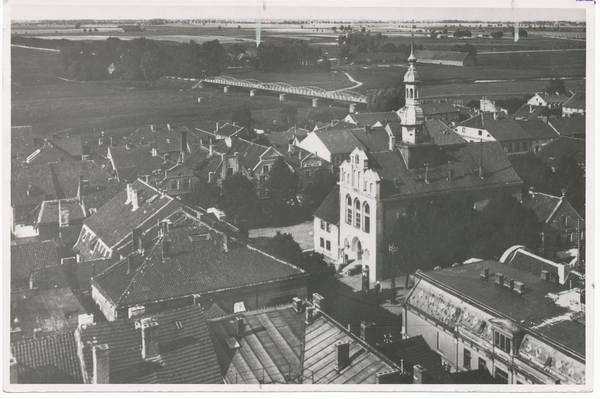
(358, 84)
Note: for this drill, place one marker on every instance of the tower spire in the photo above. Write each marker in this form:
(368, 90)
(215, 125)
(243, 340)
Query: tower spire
(412, 58)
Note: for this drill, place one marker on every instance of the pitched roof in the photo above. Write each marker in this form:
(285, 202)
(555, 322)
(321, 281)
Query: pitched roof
(379, 56)
(194, 266)
(48, 360)
(48, 153)
(528, 111)
(441, 133)
(36, 180)
(465, 281)
(282, 139)
(338, 141)
(49, 211)
(530, 263)
(164, 140)
(208, 165)
(249, 152)
(538, 129)
(415, 351)
(67, 175)
(21, 140)
(229, 129)
(544, 205)
(431, 108)
(553, 97)
(96, 199)
(377, 139)
(27, 258)
(113, 222)
(73, 145)
(270, 349)
(371, 118)
(329, 210)
(563, 147)
(577, 101)
(186, 354)
(502, 129)
(462, 159)
(440, 55)
(569, 126)
(75, 276)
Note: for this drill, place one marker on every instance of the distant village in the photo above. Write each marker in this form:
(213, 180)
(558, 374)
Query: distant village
(131, 261)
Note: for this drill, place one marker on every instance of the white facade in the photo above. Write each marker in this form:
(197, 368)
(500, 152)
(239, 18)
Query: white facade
(473, 135)
(313, 144)
(326, 239)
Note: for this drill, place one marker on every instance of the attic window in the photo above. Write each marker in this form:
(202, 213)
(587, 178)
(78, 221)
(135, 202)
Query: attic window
(199, 237)
(155, 196)
(178, 325)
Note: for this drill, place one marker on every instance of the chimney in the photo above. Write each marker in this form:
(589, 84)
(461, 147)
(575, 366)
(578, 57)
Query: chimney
(450, 174)
(300, 154)
(530, 108)
(134, 200)
(101, 366)
(310, 314)
(509, 283)
(421, 375)
(388, 377)
(129, 191)
(427, 173)
(495, 115)
(149, 339)
(85, 320)
(342, 355)
(392, 142)
(110, 142)
(226, 243)
(239, 327)
(128, 146)
(368, 332)
(217, 128)
(367, 129)
(154, 152)
(499, 279)
(136, 239)
(168, 126)
(129, 263)
(211, 175)
(136, 311)
(480, 172)
(519, 287)
(211, 149)
(545, 275)
(318, 300)
(183, 143)
(485, 272)
(297, 305)
(63, 214)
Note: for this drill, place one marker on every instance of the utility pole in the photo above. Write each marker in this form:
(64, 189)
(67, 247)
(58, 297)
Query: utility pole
(392, 249)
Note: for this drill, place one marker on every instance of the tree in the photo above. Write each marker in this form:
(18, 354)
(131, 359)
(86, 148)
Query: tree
(239, 197)
(243, 116)
(389, 48)
(556, 86)
(334, 29)
(262, 139)
(323, 182)
(569, 176)
(497, 35)
(84, 30)
(384, 100)
(77, 25)
(288, 114)
(284, 245)
(206, 195)
(282, 187)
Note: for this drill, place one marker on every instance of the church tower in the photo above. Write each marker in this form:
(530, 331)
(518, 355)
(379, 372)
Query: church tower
(411, 115)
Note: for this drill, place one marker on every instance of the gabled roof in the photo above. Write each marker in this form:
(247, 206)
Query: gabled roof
(544, 205)
(577, 101)
(97, 198)
(377, 139)
(186, 354)
(502, 129)
(21, 140)
(442, 134)
(27, 258)
(440, 55)
(528, 111)
(113, 222)
(553, 97)
(538, 129)
(329, 210)
(371, 118)
(164, 140)
(48, 153)
(334, 125)
(415, 351)
(569, 126)
(50, 211)
(48, 360)
(37, 180)
(400, 181)
(249, 153)
(521, 258)
(563, 147)
(73, 145)
(338, 141)
(193, 267)
(228, 130)
(281, 140)
(67, 175)
(431, 108)
(212, 163)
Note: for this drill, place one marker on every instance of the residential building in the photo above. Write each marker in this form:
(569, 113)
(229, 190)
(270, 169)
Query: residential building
(550, 100)
(361, 58)
(442, 111)
(326, 233)
(186, 261)
(561, 148)
(529, 111)
(373, 119)
(227, 131)
(49, 153)
(575, 105)
(166, 348)
(487, 315)
(562, 227)
(334, 146)
(569, 127)
(453, 58)
(26, 259)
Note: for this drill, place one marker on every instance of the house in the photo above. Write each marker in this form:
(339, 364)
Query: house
(575, 105)
(486, 314)
(35, 313)
(46, 360)
(453, 58)
(529, 111)
(48, 153)
(281, 140)
(166, 348)
(441, 111)
(170, 139)
(21, 141)
(524, 259)
(563, 147)
(305, 165)
(376, 187)
(335, 124)
(570, 127)
(26, 259)
(373, 119)
(362, 58)
(550, 100)
(69, 274)
(326, 226)
(286, 345)
(109, 230)
(227, 131)
(332, 145)
(563, 227)
(513, 135)
(186, 261)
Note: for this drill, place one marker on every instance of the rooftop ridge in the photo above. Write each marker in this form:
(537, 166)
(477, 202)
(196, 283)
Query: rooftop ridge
(275, 258)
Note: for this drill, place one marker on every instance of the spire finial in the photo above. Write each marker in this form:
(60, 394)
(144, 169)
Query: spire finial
(412, 58)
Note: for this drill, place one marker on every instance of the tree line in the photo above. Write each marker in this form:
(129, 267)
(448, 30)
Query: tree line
(141, 59)
(286, 57)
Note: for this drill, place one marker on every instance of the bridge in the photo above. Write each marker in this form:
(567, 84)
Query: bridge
(309, 91)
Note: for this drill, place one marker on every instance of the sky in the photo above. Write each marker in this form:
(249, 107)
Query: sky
(503, 10)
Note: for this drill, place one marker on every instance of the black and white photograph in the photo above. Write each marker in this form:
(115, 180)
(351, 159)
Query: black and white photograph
(298, 196)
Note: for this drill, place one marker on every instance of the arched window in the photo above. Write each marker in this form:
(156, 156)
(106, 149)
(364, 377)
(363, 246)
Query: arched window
(357, 214)
(365, 185)
(367, 212)
(356, 159)
(358, 180)
(348, 210)
(411, 93)
(371, 188)
(353, 178)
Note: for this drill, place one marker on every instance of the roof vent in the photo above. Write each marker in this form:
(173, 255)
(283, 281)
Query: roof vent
(298, 305)
(519, 287)
(342, 354)
(499, 279)
(485, 272)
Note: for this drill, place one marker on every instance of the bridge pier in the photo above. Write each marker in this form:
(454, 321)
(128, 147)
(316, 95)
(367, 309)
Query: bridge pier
(352, 108)
(226, 89)
(282, 97)
(315, 102)
(252, 92)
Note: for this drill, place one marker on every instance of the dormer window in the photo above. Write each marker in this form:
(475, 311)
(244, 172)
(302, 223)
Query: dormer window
(356, 160)
(502, 342)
